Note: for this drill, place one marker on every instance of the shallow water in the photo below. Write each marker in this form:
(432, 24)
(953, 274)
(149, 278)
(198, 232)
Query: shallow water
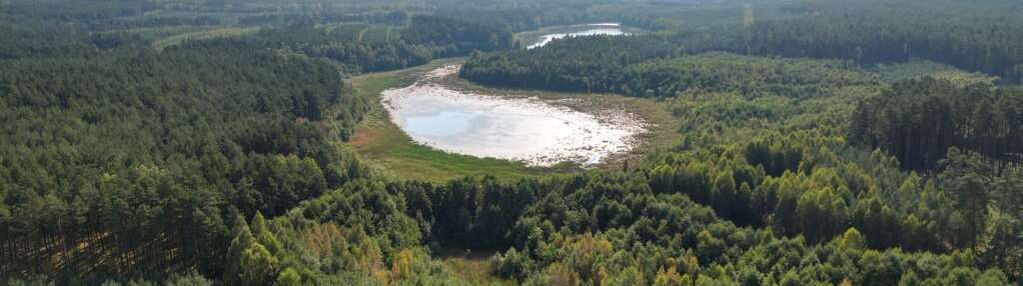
(521, 129)
(578, 31)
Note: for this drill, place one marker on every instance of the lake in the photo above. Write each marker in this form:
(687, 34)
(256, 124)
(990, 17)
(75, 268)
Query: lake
(528, 130)
(536, 39)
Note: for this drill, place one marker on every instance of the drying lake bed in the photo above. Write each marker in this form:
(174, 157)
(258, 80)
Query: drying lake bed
(524, 129)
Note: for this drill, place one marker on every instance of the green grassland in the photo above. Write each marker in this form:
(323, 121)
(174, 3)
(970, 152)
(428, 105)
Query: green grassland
(378, 34)
(201, 35)
(472, 267)
(919, 68)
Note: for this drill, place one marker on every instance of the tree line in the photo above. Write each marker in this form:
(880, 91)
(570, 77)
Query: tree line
(348, 46)
(657, 72)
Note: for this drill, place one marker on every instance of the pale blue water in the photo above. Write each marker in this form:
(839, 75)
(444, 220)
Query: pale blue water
(583, 30)
(440, 124)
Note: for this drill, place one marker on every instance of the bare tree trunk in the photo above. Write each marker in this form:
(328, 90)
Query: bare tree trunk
(5, 253)
(47, 250)
(66, 258)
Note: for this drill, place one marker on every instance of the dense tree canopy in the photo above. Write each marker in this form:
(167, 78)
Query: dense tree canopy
(918, 120)
(118, 158)
(203, 143)
(103, 141)
(981, 37)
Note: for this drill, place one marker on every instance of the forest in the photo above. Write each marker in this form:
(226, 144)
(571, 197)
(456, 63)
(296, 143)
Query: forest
(208, 143)
(875, 32)
(918, 120)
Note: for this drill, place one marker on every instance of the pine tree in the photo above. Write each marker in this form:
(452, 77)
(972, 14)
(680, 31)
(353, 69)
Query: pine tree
(258, 266)
(243, 239)
(264, 236)
(288, 277)
(969, 180)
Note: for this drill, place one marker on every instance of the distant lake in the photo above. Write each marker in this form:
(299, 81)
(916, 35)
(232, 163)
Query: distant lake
(542, 37)
(528, 130)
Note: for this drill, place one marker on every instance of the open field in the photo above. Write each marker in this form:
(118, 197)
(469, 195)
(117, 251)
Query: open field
(200, 35)
(472, 267)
